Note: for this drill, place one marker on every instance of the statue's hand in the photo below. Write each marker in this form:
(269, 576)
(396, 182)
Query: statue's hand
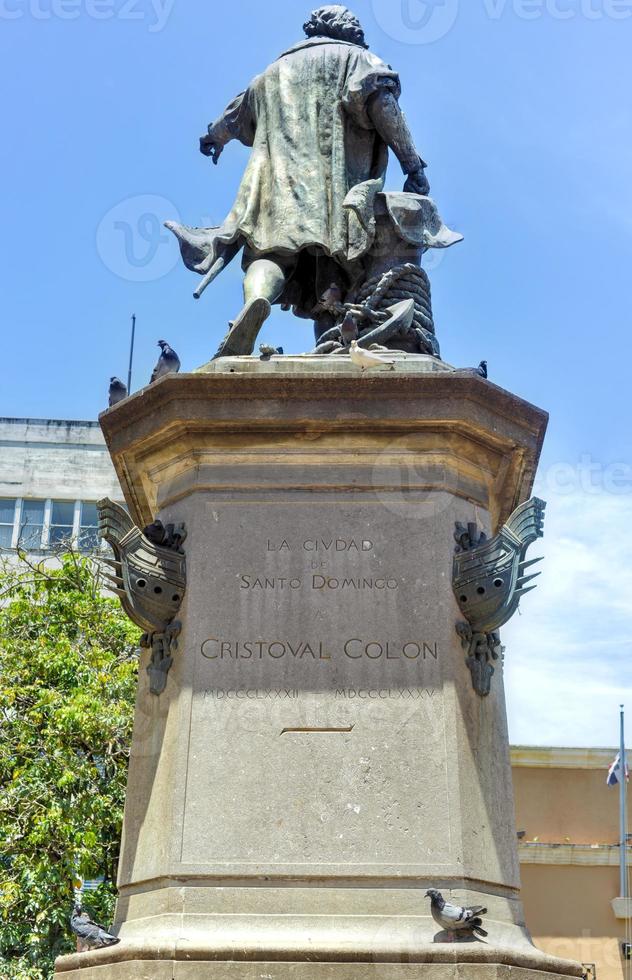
(210, 147)
(417, 182)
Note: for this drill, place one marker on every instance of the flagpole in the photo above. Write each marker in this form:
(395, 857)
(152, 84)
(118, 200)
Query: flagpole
(623, 816)
(131, 355)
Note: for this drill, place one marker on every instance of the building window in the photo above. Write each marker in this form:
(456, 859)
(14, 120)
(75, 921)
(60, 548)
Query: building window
(48, 525)
(7, 521)
(31, 525)
(61, 523)
(89, 528)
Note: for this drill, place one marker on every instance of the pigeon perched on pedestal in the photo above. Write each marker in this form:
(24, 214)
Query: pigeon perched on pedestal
(349, 329)
(267, 351)
(89, 934)
(479, 372)
(365, 360)
(455, 918)
(168, 362)
(118, 391)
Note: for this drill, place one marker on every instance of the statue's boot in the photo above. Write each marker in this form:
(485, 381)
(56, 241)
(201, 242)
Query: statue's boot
(241, 337)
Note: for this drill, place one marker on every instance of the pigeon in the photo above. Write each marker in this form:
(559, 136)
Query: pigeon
(479, 372)
(332, 297)
(172, 536)
(118, 391)
(89, 934)
(454, 918)
(168, 362)
(349, 329)
(155, 532)
(267, 351)
(366, 360)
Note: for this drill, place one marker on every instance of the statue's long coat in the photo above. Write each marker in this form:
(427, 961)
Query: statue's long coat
(317, 162)
(313, 142)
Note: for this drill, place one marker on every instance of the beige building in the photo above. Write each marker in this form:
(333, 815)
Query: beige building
(568, 823)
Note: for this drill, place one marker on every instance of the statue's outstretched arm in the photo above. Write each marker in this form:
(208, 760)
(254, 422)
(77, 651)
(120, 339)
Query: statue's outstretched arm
(390, 122)
(236, 122)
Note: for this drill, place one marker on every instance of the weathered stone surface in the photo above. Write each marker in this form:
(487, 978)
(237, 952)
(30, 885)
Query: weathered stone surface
(319, 757)
(329, 366)
(431, 966)
(279, 428)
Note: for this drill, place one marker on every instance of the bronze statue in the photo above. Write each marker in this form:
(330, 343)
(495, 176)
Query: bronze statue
(320, 121)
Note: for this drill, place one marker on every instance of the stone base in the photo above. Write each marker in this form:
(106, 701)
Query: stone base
(429, 963)
(305, 365)
(319, 756)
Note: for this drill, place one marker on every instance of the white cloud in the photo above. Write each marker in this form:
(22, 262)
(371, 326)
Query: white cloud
(568, 664)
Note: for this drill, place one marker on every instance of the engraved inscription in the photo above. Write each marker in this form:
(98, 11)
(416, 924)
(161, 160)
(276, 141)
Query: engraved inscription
(215, 648)
(319, 583)
(387, 694)
(357, 649)
(323, 545)
(251, 694)
(321, 553)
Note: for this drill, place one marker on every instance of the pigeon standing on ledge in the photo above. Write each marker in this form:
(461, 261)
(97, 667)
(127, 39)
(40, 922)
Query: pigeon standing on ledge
(479, 372)
(349, 329)
(89, 934)
(366, 360)
(168, 362)
(267, 352)
(118, 391)
(455, 918)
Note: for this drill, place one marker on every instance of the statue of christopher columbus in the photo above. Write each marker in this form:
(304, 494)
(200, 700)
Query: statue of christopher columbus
(320, 121)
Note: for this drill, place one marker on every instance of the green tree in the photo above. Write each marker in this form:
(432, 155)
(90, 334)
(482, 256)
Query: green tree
(68, 672)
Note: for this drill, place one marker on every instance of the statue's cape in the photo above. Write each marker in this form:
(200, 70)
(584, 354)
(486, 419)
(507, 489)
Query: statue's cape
(415, 217)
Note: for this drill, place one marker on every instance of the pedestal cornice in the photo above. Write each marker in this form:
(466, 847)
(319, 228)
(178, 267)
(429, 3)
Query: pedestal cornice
(449, 431)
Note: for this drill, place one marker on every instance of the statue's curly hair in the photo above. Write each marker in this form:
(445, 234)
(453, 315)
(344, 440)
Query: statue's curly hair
(337, 22)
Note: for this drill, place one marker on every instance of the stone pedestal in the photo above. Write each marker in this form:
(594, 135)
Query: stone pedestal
(319, 757)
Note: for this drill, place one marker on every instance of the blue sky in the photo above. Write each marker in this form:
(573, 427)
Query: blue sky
(522, 109)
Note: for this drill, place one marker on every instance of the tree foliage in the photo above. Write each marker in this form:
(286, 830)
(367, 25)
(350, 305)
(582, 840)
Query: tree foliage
(67, 681)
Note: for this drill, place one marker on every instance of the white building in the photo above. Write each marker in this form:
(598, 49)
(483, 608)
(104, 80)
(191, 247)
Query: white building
(52, 473)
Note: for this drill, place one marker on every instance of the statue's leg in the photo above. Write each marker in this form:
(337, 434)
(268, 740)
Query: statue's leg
(264, 283)
(265, 279)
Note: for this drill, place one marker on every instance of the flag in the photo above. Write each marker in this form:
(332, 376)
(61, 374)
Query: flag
(614, 772)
